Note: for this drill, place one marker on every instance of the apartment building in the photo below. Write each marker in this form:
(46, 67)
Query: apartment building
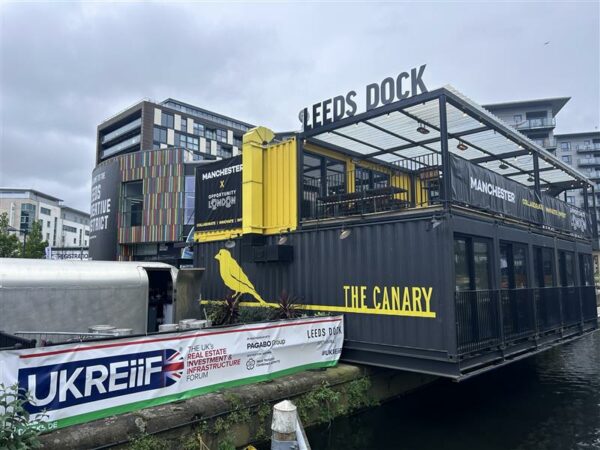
(62, 226)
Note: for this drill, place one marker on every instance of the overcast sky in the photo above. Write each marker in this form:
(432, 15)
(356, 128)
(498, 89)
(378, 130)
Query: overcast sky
(66, 67)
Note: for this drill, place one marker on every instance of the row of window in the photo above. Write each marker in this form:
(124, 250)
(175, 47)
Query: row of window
(473, 266)
(205, 115)
(216, 134)
(587, 144)
(187, 141)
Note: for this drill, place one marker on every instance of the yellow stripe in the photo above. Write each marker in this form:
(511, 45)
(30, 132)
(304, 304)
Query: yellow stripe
(338, 309)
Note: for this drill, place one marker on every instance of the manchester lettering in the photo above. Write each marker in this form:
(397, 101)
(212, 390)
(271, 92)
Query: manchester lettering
(492, 189)
(222, 172)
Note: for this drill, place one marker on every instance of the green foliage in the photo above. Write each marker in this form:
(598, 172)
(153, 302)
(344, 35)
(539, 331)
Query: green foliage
(287, 307)
(225, 312)
(264, 421)
(35, 245)
(323, 400)
(17, 432)
(226, 444)
(147, 442)
(357, 393)
(251, 314)
(10, 246)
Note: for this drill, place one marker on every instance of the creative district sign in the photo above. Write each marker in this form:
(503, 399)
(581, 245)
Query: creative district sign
(77, 383)
(405, 85)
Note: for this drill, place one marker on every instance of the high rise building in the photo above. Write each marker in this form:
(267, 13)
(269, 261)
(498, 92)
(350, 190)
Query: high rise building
(143, 184)
(62, 226)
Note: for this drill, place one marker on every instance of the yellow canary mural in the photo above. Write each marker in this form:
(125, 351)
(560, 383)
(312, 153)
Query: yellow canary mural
(234, 277)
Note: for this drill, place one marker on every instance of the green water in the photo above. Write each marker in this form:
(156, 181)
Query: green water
(549, 401)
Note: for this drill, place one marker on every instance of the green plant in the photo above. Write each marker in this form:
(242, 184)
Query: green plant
(251, 314)
(357, 394)
(287, 307)
(35, 245)
(148, 442)
(226, 444)
(18, 430)
(323, 398)
(263, 414)
(225, 312)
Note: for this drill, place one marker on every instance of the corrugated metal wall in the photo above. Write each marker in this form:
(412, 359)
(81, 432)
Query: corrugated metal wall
(404, 254)
(280, 197)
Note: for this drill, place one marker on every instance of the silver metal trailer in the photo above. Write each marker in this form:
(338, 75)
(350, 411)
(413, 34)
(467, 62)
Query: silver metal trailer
(71, 296)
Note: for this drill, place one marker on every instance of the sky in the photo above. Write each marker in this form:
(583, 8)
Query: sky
(65, 67)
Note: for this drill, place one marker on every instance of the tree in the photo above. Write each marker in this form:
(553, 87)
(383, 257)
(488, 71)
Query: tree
(35, 247)
(9, 243)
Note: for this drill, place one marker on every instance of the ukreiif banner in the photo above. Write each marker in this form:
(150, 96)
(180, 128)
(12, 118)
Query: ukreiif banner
(81, 382)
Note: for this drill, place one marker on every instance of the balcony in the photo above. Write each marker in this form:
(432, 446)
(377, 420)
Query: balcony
(122, 130)
(588, 161)
(582, 148)
(531, 124)
(505, 317)
(547, 143)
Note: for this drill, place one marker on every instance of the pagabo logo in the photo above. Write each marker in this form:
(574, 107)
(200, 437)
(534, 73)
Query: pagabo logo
(73, 383)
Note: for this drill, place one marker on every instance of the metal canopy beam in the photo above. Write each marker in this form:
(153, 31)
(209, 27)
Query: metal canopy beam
(500, 157)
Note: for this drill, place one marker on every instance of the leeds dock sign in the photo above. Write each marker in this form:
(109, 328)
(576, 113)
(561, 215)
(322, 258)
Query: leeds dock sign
(390, 89)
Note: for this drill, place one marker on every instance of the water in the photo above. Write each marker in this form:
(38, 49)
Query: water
(550, 401)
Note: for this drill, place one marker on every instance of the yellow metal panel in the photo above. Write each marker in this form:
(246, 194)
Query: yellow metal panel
(218, 235)
(281, 187)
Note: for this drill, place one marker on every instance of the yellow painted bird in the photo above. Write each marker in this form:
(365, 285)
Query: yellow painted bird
(234, 277)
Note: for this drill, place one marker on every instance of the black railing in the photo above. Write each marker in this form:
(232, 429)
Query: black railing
(12, 342)
(403, 184)
(493, 319)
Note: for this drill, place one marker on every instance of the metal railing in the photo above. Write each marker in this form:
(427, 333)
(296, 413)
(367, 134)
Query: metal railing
(48, 338)
(582, 148)
(403, 184)
(12, 342)
(493, 319)
(588, 161)
(545, 142)
(541, 122)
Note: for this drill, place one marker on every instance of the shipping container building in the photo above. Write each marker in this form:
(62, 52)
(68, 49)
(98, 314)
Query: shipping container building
(434, 226)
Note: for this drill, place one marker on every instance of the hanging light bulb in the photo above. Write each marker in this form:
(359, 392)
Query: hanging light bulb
(422, 129)
(462, 146)
(503, 165)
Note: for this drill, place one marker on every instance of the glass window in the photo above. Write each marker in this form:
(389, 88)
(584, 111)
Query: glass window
(567, 159)
(586, 268)
(237, 141)
(566, 266)
(167, 120)
(48, 224)
(160, 136)
(461, 265)
(221, 135)
(481, 265)
(518, 118)
(520, 266)
(190, 189)
(365, 179)
(543, 264)
(210, 134)
(198, 129)
(571, 199)
(45, 211)
(565, 146)
(133, 203)
(69, 229)
(224, 152)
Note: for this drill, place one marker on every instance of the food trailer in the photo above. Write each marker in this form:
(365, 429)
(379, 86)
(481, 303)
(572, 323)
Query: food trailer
(432, 225)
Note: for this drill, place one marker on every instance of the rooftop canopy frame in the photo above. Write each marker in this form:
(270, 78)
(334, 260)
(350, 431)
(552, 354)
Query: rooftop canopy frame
(444, 121)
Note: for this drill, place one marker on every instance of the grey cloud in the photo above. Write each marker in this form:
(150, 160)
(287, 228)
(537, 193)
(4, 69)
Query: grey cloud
(66, 67)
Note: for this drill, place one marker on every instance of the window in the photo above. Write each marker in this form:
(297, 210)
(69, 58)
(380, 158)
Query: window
(513, 266)
(190, 190)
(365, 179)
(87, 232)
(198, 129)
(567, 159)
(543, 264)
(45, 211)
(224, 152)
(48, 224)
(133, 203)
(322, 177)
(237, 141)
(566, 265)
(167, 120)
(586, 143)
(69, 229)
(586, 268)
(189, 142)
(27, 216)
(472, 263)
(565, 146)
(74, 240)
(221, 135)
(571, 199)
(48, 237)
(518, 118)
(210, 134)
(160, 136)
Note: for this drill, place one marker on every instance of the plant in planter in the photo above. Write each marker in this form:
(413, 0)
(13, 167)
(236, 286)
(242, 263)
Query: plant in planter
(287, 307)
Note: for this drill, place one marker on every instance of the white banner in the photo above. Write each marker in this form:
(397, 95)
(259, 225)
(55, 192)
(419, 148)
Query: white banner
(76, 383)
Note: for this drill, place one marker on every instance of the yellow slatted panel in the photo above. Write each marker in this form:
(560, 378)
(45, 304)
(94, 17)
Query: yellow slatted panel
(280, 194)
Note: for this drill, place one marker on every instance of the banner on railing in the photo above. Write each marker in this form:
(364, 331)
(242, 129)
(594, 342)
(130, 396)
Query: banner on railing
(485, 189)
(77, 383)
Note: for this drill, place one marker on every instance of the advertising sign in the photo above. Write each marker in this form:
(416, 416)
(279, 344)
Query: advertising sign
(106, 180)
(483, 188)
(77, 383)
(219, 195)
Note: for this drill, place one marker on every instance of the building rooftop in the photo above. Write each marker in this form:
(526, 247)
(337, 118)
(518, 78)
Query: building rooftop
(77, 211)
(38, 193)
(203, 111)
(556, 103)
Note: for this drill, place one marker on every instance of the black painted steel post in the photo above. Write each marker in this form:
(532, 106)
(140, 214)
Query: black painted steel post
(536, 176)
(594, 218)
(445, 153)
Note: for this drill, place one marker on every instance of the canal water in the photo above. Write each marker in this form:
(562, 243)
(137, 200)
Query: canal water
(549, 401)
